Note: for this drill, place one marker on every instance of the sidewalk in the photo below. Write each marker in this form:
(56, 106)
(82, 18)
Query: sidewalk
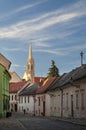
(71, 120)
(10, 124)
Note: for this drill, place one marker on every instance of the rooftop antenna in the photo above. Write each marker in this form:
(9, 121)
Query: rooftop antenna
(81, 54)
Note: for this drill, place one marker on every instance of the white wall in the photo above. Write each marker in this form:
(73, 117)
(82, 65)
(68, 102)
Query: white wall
(27, 103)
(13, 101)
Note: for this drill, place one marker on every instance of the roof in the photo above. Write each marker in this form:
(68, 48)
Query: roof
(11, 73)
(68, 78)
(46, 85)
(15, 77)
(15, 87)
(38, 79)
(4, 61)
(30, 90)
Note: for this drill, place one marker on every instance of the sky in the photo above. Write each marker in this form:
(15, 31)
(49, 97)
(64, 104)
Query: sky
(56, 29)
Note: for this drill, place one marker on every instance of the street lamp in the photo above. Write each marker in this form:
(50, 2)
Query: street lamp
(81, 54)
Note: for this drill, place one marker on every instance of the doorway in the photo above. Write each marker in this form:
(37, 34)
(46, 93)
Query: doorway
(72, 110)
(15, 107)
(43, 108)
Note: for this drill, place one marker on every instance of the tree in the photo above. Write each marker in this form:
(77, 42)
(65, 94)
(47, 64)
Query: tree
(53, 70)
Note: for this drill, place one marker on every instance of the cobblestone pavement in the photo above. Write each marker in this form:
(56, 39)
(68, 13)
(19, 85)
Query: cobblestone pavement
(20, 121)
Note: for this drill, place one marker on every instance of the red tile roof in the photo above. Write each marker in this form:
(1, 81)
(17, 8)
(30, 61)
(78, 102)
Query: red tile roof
(15, 87)
(37, 79)
(46, 85)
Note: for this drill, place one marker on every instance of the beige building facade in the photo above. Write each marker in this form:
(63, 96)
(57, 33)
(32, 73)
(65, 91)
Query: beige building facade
(42, 105)
(68, 98)
(15, 77)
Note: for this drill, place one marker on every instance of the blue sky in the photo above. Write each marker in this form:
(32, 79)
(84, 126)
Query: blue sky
(56, 29)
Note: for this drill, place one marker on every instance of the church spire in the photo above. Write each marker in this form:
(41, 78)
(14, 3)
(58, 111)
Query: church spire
(30, 56)
(29, 73)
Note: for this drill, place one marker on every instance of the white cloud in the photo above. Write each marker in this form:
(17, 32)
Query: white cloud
(14, 49)
(38, 28)
(20, 9)
(73, 48)
(17, 66)
(27, 7)
(18, 30)
(11, 49)
(52, 51)
(62, 51)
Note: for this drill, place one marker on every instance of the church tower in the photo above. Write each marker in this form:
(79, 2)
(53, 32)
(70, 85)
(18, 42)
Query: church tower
(29, 73)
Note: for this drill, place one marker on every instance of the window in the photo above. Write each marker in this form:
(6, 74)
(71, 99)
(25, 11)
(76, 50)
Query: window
(21, 99)
(25, 99)
(64, 100)
(67, 101)
(12, 97)
(77, 101)
(39, 101)
(28, 99)
(15, 97)
(5, 102)
(54, 108)
(82, 100)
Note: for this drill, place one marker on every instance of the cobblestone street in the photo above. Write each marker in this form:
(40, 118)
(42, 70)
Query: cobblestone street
(20, 121)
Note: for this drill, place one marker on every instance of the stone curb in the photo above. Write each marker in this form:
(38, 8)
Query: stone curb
(73, 121)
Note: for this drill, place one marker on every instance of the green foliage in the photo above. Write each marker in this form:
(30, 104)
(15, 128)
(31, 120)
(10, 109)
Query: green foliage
(53, 70)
